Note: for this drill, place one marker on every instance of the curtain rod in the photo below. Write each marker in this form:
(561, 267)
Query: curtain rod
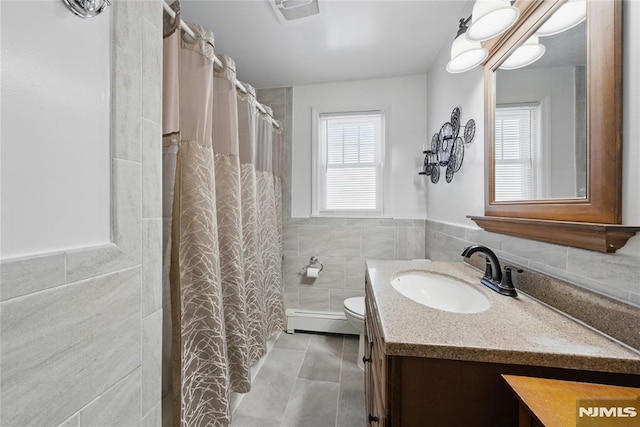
(217, 61)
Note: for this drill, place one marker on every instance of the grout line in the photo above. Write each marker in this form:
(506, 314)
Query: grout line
(108, 389)
(142, 352)
(135, 162)
(286, 408)
(340, 381)
(57, 287)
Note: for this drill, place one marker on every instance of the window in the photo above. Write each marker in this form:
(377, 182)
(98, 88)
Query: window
(517, 144)
(348, 162)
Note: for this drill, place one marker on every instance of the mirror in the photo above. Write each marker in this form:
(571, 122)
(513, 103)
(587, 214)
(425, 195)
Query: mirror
(585, 213)
(573, 182)
(540, 144)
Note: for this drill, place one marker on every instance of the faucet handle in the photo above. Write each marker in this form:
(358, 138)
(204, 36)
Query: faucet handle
(509, 268)
(506, 278)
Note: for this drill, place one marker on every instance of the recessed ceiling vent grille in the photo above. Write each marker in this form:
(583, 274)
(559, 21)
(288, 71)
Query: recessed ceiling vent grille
(288, 10)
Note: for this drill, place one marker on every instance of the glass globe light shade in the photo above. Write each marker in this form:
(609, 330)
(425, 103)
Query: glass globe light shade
(524, 55)
(568, 16)
(491, 18)
(465, 55)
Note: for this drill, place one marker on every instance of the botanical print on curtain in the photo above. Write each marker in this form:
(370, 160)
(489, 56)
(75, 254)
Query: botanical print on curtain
(227, 178)
(222, 272)
(253, 275)
(278, 169)
(268, 227)
(200, 374)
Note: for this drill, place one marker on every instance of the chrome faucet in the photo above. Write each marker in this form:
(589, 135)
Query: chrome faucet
(493, 278)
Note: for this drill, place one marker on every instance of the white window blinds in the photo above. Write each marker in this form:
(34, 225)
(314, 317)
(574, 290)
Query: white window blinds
(516, 144)
(349, 164)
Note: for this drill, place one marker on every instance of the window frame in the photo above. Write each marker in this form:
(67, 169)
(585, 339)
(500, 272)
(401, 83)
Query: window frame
(319, 162)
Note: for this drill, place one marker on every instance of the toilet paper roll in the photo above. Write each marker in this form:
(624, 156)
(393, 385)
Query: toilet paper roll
(313, 272)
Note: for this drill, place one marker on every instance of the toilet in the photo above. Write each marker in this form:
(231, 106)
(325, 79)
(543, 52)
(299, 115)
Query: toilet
(354, 310)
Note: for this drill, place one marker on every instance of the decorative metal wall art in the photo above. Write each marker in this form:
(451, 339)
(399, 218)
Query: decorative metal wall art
(447, 148)
(87, 8)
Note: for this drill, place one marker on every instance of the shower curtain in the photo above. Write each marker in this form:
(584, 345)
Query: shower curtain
(270, 233)
(222, 276)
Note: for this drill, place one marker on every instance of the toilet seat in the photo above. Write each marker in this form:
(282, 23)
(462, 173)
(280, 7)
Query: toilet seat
(355, 306)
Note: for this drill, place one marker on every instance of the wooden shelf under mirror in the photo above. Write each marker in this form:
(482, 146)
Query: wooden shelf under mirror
(576, 200)
(606, 238)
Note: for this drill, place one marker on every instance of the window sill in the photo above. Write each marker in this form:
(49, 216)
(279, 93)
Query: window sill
(354, 216)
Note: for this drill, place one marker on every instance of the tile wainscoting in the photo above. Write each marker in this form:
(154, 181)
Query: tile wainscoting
(613, 275)
(342, 245)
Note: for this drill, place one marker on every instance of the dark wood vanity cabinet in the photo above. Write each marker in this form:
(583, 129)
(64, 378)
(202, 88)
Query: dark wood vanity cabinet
(407, 391)
(375, 370)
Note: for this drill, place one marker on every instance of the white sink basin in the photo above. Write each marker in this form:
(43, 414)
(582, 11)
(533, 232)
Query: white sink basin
(440, 292)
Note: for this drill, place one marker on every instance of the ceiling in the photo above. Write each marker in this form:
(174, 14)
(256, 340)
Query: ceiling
(348, 40)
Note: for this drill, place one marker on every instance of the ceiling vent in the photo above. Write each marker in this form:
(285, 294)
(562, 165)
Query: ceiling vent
(288, 10)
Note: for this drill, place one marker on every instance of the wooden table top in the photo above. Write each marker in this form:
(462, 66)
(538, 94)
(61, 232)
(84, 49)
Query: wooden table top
(554, 402)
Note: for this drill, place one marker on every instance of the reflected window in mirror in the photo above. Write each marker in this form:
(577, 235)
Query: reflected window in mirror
(540, 143)
(518, 155)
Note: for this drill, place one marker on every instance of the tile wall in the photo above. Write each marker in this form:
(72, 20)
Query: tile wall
(341, 244)
(281, 102)
(81, 330)
(613, 275)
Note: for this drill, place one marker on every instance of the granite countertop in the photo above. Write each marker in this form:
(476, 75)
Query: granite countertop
(518, 331)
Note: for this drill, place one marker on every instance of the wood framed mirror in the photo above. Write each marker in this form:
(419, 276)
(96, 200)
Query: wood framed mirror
(590, 216)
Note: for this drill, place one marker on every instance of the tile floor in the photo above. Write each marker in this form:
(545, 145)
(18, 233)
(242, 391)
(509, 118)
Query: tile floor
(307, 380)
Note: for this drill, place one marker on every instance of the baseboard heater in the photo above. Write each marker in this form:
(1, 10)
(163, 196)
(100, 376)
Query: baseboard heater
(318, 321)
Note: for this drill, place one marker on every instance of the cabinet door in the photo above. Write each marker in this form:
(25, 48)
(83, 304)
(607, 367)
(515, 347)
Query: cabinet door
(369, 392)
(375, 379)
(379, 384)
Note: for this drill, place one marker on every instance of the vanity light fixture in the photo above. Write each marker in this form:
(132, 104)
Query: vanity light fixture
(491, 18)
(524, 55)
(570, 14)
(465, 54)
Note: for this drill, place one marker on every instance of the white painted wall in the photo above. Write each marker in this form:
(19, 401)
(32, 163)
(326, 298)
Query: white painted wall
(55, 128)
(465, 196)
(557, 86)
(406, 108)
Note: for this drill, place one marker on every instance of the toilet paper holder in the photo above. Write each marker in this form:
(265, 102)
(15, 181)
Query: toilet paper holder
(313, 262)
